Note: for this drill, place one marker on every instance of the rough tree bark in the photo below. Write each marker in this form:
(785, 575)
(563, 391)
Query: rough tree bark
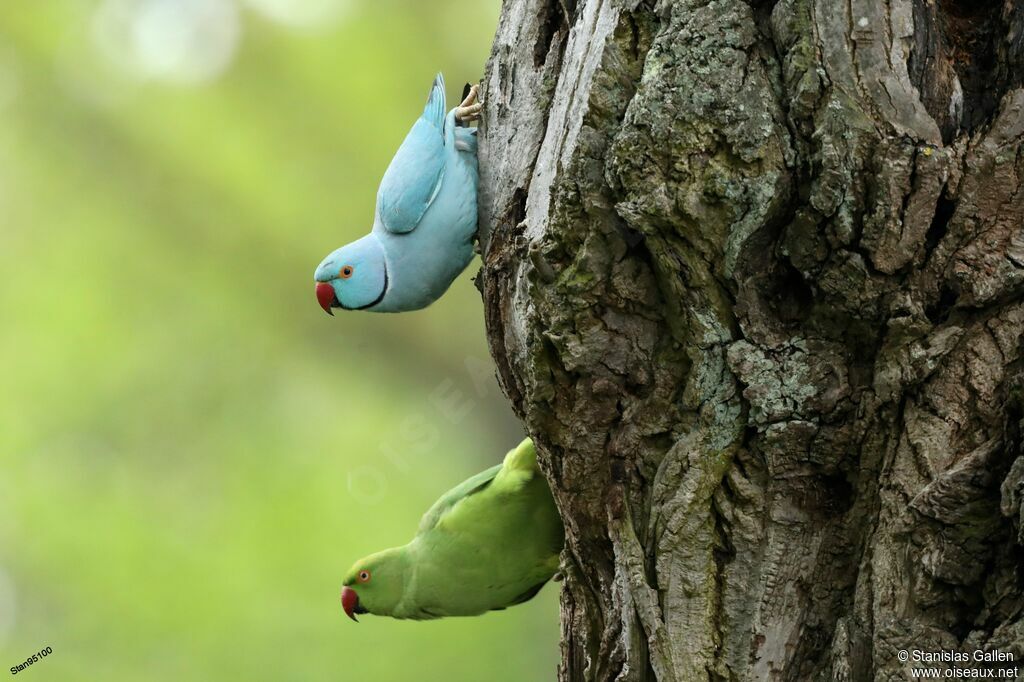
(753, 278)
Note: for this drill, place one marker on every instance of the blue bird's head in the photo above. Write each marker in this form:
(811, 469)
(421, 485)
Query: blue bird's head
(355, 277)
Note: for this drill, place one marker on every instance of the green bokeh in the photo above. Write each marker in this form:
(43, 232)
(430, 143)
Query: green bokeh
(191, 453)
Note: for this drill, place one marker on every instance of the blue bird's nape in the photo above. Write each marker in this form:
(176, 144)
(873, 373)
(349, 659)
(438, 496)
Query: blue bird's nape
(425, 219)
(354, 277)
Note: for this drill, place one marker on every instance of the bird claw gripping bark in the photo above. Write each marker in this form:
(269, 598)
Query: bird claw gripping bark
(470, 109)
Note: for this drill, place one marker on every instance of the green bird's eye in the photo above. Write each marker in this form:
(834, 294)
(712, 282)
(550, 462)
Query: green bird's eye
(346, 272)
(364, 576)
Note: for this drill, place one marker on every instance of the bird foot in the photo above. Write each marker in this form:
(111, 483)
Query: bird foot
(471, 108)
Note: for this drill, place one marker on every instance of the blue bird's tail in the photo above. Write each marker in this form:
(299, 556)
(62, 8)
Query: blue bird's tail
(433, 113)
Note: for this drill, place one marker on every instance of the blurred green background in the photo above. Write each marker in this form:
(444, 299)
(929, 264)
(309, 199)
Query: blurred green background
(191, 453)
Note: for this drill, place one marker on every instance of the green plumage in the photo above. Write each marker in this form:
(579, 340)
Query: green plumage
(490, 542)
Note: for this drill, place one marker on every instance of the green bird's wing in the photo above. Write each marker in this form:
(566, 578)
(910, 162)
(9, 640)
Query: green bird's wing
(519, 466)
(451, 498)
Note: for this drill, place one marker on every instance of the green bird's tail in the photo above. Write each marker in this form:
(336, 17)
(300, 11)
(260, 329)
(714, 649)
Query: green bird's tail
(523, 458)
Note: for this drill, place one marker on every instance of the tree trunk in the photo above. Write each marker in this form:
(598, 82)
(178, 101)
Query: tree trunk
(753, 280)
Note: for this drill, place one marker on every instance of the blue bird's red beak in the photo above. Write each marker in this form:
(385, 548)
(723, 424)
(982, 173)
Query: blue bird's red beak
(325, 296)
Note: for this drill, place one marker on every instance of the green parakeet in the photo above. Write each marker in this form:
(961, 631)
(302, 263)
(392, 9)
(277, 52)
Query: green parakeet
(490, 542)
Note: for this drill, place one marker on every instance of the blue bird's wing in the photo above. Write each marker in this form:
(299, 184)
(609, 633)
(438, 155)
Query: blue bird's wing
(414, 177)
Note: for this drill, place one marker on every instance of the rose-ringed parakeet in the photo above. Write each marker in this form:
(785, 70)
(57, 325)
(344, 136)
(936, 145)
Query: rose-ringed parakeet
(422, 235)
(489, 543)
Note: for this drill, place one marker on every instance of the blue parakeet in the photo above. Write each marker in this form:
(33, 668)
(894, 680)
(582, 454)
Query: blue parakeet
(426, 217)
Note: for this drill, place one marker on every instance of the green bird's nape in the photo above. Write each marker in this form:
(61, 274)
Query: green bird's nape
(489, 543)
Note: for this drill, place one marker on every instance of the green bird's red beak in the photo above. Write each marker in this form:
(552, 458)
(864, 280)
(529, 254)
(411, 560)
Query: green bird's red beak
(350, 602)
(325, 296)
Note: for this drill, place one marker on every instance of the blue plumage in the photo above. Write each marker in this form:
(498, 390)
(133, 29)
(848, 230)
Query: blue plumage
(426, 216)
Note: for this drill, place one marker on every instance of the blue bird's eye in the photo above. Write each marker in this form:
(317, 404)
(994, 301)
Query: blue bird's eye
(346, 272)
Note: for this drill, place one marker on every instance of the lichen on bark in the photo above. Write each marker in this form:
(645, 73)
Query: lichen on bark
(752, 275)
